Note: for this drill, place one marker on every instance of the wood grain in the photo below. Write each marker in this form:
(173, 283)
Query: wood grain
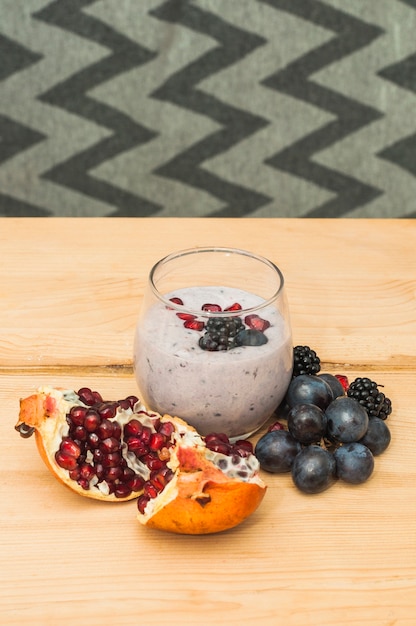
(70, 292)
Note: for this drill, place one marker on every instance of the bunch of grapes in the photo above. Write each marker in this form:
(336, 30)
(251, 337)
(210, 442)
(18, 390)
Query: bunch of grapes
(334, 430)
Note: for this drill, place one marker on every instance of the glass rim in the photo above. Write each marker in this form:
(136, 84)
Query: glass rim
(221, 249)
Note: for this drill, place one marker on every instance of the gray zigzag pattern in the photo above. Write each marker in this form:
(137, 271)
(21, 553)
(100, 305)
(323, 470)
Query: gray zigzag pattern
(71, 95)
(181, 89)
(351, 116)
(229, 155)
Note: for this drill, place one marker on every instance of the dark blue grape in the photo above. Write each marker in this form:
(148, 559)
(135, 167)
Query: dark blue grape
(313, 469)
(347, 420)
(250, 337)
(354, 463)
(276, 451)
(378, 437)
(336, 387)
(306, 423)
(309, 389)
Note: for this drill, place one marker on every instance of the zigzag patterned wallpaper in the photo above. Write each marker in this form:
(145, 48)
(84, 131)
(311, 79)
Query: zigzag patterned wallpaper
(208, 107)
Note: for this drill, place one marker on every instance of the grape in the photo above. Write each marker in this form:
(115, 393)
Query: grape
(354, 463)
(347, 420)
(336, 387)
(377, 438)
(313, 469)
(276, 451)
(306, 423)
(309, 389)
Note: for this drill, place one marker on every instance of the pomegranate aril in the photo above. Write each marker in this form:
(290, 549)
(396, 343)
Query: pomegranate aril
(91, 421)
(157, 441)
(65, 460)
(166, 429)
(136, 483)
(145, 435)
(132, 400)
(100, 471)
(124, 404)
(176, 301)
(234, 307)
(87, 471)
(93, 440)
(110, 444)
(77, 415)
(194, 325)
(217, 437)
(70, 447)
(142, 503)
(150, 490)
(105, 429)
(87, 396)
(152, 461)
(275, 426)
(256, 322)
(122, 490)
(243, 447)
(113, 473)
(136, 445)
(343, 380)
(79, 433)
(214, 308)
(84, 483)
(112, 459)
(186, 316)
(107, 410)
(132, 428)
(98, 455)
(75, 474)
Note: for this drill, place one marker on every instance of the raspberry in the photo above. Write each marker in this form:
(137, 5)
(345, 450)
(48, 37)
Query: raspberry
(305, 361)
(368, 395)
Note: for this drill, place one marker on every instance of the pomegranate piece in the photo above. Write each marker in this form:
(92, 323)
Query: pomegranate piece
(194, 325)
(234, 307)
(343, 380)
(183, 483)
(176, 301)
(256, 322)
(187, 317)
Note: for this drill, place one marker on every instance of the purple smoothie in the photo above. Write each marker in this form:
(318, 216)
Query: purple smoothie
(232, 391)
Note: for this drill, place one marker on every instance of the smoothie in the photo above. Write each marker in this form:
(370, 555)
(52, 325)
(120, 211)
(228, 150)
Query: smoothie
(232, 390)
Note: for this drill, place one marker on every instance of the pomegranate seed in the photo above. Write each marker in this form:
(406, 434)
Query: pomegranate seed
(194, 325)
(217, 436)
(110, 444)
(127, 474)
(79, 433)
(113, 473)
(69, 447)
(98, 455)
(122, 491)
(65, 460)
(75, 474)
(219, 446)
(343, 380)
(256, 322)
(145, 435)
(214, 308)
(112, 459)
(275, 426)
(92, 420)
(132, 400)
(234, 307)
(100, 471)
(105, 429)
(152, 461)
(176, 301)
(166, 429)
(93, 440)
(87, 396)
(156, 423)
(149, 490)
(164, 454)
(84, 483)
(77, 415)
(136, 445)
(243, 447)
(136, 483)
(97, 397)
(132, 428)
(161, 477)
(87, 471)
(186, 316)
(107, 410)
(116, 430)
(157, 441)
(157, 484)
(142, 503)
(124, 404)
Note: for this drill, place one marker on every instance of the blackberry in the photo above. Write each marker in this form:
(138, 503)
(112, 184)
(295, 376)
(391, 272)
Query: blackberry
(368, 395)
(220, 333)
(305, 361)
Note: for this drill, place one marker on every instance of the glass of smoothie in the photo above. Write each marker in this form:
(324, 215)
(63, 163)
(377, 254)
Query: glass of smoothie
(213, 342)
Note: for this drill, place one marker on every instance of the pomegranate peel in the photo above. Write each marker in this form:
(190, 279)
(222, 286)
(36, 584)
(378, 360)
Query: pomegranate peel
(117, 451)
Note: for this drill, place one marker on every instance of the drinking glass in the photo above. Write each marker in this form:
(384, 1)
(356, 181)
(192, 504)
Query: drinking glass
(213, 341)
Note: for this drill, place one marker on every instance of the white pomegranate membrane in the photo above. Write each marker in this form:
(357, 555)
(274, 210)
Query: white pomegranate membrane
(232, 391)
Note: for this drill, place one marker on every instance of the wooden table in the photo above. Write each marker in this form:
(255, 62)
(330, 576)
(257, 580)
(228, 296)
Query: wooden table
(70, 293)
